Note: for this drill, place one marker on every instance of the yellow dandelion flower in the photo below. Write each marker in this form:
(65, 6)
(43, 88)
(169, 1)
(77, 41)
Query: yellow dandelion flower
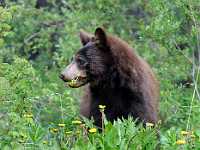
(28, 115)
(78, 132)
(93, 130)
(68, 132)
(21, 141)
(76, 122)
(181, 142)
(148, 124)
(102, 106)
(54, 130)
(45, 142)
(185, 132)
(61, 125)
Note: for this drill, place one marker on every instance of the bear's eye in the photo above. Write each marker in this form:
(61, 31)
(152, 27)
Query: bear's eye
(72, 58)
(81, 61)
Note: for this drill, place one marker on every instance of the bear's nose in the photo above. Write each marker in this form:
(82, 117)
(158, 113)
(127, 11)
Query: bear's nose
(62, 77)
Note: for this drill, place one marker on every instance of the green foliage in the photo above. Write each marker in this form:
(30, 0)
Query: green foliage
(37, 111)
(5, 17)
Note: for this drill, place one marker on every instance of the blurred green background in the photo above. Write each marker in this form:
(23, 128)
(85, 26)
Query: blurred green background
(37, 40)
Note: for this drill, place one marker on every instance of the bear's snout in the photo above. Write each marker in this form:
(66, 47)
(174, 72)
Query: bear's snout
(72, 72)
(61, 76)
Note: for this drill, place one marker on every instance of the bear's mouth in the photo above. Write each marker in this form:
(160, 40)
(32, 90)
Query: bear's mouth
(77, 82)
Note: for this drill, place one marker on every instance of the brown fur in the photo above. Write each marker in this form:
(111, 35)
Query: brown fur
(137, 76)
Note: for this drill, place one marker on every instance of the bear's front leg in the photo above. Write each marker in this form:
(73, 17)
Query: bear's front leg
(97, 116)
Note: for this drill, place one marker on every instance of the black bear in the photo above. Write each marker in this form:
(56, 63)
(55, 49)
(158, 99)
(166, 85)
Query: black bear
(114, 76)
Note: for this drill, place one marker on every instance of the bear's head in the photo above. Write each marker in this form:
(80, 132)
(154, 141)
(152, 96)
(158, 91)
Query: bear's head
(91, 63)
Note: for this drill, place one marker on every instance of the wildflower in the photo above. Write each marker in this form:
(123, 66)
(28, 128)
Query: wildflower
(93, 130)
(24, 136)
(45, 142)
(78, 132)
(76, 122)
(54, 130)
(28, 115)
(159, 121)
(184, 132)
(82, 125)
(181, 142)
(68, 132)
(148, 124)
(61, 125)
(21, 141)
(102, 107)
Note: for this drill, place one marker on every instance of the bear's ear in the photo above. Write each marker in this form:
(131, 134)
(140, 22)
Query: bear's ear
(100, 35)
(84, 37)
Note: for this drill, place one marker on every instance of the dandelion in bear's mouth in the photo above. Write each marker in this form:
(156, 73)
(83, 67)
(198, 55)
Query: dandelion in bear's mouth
(93, 130)
(180, 142)
(76, 122)
(61, 125)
